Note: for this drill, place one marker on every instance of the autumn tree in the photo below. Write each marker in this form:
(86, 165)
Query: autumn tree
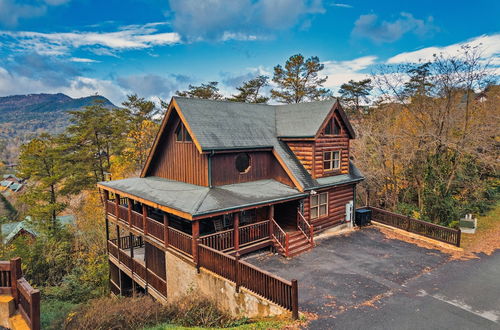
(427, 148)
(299, 80)
(204, 91)
(41, 163)
(250, 91)
(355, 92)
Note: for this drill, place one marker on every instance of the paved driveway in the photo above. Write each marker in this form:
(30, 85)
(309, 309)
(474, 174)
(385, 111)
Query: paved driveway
(363, 280)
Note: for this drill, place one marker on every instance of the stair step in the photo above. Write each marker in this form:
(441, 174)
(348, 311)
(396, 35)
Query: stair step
(297, 252)
(298, 246)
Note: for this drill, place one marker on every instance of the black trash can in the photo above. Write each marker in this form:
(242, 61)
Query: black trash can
(363, 217)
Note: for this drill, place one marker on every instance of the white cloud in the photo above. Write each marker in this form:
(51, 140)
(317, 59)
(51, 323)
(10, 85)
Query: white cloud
(341, 5)
(223, 20)
(82, 60)
(11, 11)
(369, 26)
(490, 46)
(132, 37)
(340, 72)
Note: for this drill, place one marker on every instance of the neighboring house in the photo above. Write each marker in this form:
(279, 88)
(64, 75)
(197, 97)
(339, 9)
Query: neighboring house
(235, 177)
(10, 231)
(11, 182)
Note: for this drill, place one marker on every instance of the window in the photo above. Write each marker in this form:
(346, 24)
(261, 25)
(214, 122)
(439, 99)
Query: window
(336, 127)
(333, 127)
(242, 162)
(331, 160)
(181, 134)
(319, 205)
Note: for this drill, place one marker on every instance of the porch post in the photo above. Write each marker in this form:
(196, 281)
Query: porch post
(236, 231)
(195, 230)
(118, 241)
(106, 198)
(144, 216)
(165, 229)
(131, 238)
(129, 212)
(117, 203)
(270, 216)
(107, 227)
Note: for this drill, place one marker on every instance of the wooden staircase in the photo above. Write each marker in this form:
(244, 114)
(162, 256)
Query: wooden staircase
(297, 244)
(293, 242)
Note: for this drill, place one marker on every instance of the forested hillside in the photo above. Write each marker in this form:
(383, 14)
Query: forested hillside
(23, 117)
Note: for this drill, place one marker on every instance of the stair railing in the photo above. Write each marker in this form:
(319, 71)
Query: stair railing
(305, 227)
(280, 237)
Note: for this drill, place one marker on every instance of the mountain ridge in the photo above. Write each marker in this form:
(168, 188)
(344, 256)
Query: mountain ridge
(23, 117)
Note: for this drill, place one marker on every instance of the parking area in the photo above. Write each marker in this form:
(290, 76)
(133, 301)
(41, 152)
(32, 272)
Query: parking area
(364, 280)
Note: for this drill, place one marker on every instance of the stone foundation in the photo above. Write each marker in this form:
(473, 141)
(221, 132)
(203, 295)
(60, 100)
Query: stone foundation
(183, 279)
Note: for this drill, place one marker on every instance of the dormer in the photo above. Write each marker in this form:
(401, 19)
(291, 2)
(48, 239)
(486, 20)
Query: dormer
(321, 138)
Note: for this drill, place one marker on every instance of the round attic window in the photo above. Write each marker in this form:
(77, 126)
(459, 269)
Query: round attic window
(242, 162)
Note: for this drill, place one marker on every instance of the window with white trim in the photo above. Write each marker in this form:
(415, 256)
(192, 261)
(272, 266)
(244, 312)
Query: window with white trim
(319, 205)
(331, 160)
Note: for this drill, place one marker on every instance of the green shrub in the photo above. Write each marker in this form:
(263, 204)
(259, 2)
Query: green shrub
(54, 312)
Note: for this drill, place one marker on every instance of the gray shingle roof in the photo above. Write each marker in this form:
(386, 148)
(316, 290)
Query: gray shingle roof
(302, 119)
(229, 125)
(200, 200)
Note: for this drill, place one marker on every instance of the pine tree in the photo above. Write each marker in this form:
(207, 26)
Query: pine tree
(354, 92)
(249, 92)
(204, 91)
(299, 81)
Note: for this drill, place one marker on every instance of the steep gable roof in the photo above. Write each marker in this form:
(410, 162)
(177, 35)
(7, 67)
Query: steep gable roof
(222, 125)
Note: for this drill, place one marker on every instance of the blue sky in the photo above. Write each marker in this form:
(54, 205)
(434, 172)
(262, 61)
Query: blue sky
(154, 47)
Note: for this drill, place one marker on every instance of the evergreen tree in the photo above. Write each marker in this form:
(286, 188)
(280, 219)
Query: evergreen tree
(354, 92)
(204, 91)
(249, 92)
(299, 81)
(41, 163)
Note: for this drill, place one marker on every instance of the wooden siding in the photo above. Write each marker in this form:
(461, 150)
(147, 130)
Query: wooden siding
(263, 165)
(304, 152)
(310, 153)
(179, 161)
(338, 197)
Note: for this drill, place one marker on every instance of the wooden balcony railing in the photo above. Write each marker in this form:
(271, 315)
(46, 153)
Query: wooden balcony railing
(221, 241)
(157, 283)
(110, 208)
(254, 232)
(305, 227)
(155, 229)
(139, 269)
(424, 228)
(123, 213)
(181, 241)
(224, 240)
(26, 297)
(136, 220)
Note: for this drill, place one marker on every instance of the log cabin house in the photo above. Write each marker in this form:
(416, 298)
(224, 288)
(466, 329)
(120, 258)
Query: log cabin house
(224, 179)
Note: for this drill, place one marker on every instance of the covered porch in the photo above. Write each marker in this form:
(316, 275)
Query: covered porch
(238, 218)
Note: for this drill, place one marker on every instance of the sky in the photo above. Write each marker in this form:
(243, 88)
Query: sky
(155, 47)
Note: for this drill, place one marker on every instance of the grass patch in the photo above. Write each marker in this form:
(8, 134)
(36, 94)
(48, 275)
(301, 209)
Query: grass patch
(53, 313)
(487, 236)
(258, 325)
